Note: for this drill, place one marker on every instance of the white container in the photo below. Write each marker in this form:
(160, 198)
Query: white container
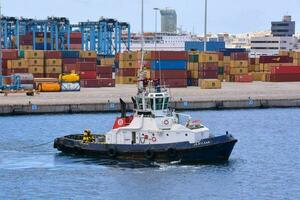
(27, 86)
(25, 76)
(65, 87)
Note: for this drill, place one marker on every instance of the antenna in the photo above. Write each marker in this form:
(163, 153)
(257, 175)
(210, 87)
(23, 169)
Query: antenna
(205, 26)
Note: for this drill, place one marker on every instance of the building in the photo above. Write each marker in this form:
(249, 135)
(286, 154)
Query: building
(272, 45)
(284, 28)
(168, 21)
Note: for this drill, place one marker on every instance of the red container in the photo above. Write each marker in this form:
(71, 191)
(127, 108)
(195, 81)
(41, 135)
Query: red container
(174, 83)
(74, 35)
(14, 71)
(52, 75)
(285, 77)
(87, 66)
(38, 75)
(285, 70)
(26, 42)
(27, 37)
(252, 61)
(68, 68)
(92, 60)
(107, 82)
(239, 56)
(4, 64)
(127, 72)
(103, 70)
(244, 78)
(275, 59)
(169, 74)
(208, 67)
(189, 74)
(169, 55)
(9, 54)
(208, 74)
(104, 75)
(75, 41)
(75, 46)
(88, 75)
(221, 56)
(52, 54)
(70, 61)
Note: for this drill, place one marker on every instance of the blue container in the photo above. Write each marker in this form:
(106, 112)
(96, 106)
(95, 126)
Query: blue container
(168, 65)
(40, 46)
(70, 54)
(228, 51)
(199, 46)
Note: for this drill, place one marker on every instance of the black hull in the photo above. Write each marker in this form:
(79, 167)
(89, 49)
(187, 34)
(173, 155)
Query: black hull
(216, 149)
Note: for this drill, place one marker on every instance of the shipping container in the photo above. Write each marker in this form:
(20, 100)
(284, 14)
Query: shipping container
(70, 87)
(85, 66)
(168, 74)
(285, 70)
(239, 56)
(53, 62)
(127, 72)
(103, 69)
(49, 87)
(88, 54)
(52, 54)
(36, 70)
(68, 68)
(275, 59)
(169, 65)
(21, 63)
(205, 57)
(88, 75)
(53, 69)
(70, 54)
(128, 64)
(210, 84)
(174, 83)
(9, 54)
(126, 80)
(208, 74)
(31, 54)
(244, 78)
(35, 62)
(169, 55)
(285, 77)
(229, 51)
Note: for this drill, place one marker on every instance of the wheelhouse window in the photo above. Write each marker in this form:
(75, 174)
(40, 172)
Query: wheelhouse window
(159, 103)
(166, 103)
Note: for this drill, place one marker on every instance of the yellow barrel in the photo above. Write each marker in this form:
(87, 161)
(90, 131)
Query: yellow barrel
(69, 78)
(49, 87)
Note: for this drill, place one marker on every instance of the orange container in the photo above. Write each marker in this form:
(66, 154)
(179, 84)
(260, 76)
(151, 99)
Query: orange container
(49, 87)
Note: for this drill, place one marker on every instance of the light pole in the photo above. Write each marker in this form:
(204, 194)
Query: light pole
(205, 26)
(155, 36)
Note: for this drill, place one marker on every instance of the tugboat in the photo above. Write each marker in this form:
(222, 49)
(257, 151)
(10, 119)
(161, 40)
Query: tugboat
(153, 133)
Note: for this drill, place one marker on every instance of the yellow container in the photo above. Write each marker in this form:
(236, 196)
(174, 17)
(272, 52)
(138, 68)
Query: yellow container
(128, 56)
(88, 54)
(39, 39)
(107, 61)
(257, 76)
(53, 69)
(226, 59)
(26, 47)
(193, 66)
(221, 63)
(296, 61)
(239, 63)
(35, 62)
(210, 84)
(49, 87)
(238, 71)
(53, 62)
(208, 57)
(128, 64)
(147, 55)
(36, 70)
(195, 74)
(34, 54)
(13, 64)
(69, 78)
(126, 79)
(221, 78)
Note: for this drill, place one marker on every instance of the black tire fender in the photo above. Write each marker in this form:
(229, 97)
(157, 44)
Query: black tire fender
(112, 152)
(149, 154)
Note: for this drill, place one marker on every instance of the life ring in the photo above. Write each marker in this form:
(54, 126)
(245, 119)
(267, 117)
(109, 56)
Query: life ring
(112, 152)
(172, 153)
(153, 139)
(166, 122)
(120, 122)
(149, 154)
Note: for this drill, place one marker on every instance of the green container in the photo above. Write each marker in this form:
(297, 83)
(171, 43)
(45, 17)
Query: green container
(21, 54)
(220, 70)
(193, 58)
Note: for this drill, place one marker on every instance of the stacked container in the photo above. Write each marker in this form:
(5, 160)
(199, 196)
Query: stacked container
(284, 74)
(266, 62)
(12, 64)
(239, 68)
(53, 64)
(170, 67)
(192, 68)
(69, 61)
(26, 42)
(35, 63)
(128, 68)
(75, 40)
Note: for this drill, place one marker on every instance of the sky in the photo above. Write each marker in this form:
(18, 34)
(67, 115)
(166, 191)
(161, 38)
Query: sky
(232, 16)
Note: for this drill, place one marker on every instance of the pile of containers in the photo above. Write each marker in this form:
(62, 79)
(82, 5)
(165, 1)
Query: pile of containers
(128, 66)
(75, 40)
(192, 68)
(284, 74)
(53, 64)
(238, 68)
(69, 82)
(171, 66)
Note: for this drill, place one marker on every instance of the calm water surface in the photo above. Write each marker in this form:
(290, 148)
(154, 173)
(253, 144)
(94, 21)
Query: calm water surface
(265, 163)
